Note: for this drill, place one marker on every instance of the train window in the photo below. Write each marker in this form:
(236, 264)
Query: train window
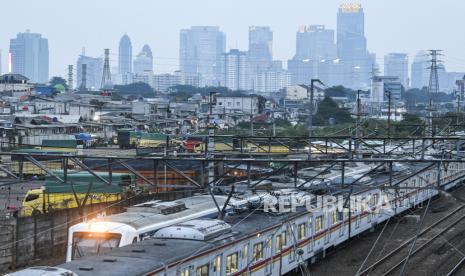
(202, 270)
(245, 251)
(284, 238)
(279, 244)
(186, 271)
(334, 218)
(31, 197)
(318, 224)
(258, 251)
(340, 216)
(301, 233)
(231, 263)
(217, 264)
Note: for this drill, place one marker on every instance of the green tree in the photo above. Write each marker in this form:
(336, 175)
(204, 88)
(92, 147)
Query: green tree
(54, 81)
(329, 110)
(137, 89)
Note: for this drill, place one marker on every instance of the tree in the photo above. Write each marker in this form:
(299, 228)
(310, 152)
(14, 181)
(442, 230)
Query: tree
(137, 89)
(329, 109)
(54, 81)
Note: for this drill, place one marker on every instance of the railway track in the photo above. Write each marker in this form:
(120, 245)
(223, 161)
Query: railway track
(395, 259)
(457, 268)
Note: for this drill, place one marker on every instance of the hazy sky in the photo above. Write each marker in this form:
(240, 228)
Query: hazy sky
(391, 25)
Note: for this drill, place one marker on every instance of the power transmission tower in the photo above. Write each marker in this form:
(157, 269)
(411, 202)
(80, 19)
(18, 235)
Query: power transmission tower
(433, 75)
(70, 77)
(106, 77)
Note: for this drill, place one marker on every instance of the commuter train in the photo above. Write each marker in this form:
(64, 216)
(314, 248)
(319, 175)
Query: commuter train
(141, 221)
(255, 242)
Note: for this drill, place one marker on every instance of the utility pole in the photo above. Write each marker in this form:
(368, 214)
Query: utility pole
(274, 122)
(211, 140)
(430, 118)
(388, 93)
(310, 115)
(357, 122)
(457, 94)
(251, 115)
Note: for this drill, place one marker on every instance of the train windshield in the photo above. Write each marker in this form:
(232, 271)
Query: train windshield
(88, 243)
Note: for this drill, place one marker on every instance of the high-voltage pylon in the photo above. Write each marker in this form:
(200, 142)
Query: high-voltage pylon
(70, 77)
(433, 86)
(106, 77)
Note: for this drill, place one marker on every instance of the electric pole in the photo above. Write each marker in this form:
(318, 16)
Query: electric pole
(310, 115)
(388, 93)
(211, 140)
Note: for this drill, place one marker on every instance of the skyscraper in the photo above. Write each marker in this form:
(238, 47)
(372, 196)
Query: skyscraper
(260, 49)
(315, 42)
(29, 56)
(234, 70)
(200, 53)
(420, 71)
(125, 55)
(144, 60)
(352, 46)
(396, 65)
(94, 71)
(301, 70)
(1, 63)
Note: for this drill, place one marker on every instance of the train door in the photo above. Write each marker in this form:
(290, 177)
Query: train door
(310, 234)
(216, 266)
(244, 255)
(268, 255)
(328, 229)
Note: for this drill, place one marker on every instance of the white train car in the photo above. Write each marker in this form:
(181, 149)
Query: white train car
(260, 243)
(100, 235)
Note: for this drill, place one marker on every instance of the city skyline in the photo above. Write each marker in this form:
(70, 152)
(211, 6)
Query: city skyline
(164, 41)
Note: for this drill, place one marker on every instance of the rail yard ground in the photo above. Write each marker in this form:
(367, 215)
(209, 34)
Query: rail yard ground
(439, 249)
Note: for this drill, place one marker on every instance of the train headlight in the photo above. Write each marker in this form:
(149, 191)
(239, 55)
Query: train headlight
(98, 227)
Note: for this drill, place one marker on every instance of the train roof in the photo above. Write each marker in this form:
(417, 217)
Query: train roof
(153, 254)
(157, 213)
(164, 250)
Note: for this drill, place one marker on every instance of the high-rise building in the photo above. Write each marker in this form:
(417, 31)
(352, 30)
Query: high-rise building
(352, 46)
(29, 56)
(94, 71)
(396, 65)
(200, 53)
(125, 55)
(272, 81)
(380, 85)
(420, 71)
(301, 71)
(331, 71)
(144, 60)
(315, 42)
(1, 63)
(234, 70)
(260, 49)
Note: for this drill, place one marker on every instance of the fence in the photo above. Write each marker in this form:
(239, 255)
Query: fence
(42, 239)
